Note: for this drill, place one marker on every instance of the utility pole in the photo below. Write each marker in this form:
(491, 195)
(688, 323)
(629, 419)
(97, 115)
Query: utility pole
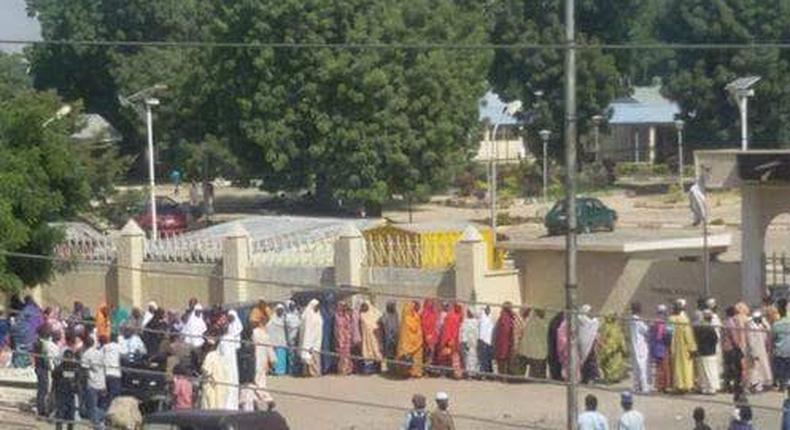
(492, 190)
(570, 189)
(149, 103)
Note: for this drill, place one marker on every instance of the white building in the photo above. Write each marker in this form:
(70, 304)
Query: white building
(508, 145)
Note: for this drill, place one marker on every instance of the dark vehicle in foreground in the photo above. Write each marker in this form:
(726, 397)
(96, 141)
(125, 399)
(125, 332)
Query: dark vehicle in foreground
(171, 218)
(591, 215)
(196, 419)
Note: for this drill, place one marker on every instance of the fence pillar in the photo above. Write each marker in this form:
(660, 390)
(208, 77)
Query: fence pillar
(128, 291)
(235, 261)
(470, 264)
(349, 254)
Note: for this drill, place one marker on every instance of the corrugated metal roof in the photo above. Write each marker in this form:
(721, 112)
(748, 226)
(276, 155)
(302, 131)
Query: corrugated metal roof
(436, 227)
(645, 106)
(491, 108)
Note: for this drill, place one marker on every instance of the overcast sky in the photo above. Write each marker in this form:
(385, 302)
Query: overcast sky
(14, 24)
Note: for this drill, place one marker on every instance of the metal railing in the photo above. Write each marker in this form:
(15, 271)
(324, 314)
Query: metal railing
(776, 269)
(90, 249)
(402, 251)
(178, 249)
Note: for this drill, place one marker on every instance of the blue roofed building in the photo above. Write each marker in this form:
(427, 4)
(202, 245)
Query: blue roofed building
(508, 144)
(642, 127)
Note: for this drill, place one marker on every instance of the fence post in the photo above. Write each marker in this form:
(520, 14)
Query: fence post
(470, 264)
(235, 261)
(349, 254)
(128, 291)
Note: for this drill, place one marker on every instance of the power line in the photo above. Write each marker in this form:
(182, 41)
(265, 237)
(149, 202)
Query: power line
(400, 46)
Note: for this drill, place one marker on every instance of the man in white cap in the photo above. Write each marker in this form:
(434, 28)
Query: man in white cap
(631, 419)
(708, 369)
(440, 417)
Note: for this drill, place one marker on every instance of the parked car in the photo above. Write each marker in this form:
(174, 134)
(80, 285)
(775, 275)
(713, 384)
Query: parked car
(171, 217)
(591, 215)
(215, 419)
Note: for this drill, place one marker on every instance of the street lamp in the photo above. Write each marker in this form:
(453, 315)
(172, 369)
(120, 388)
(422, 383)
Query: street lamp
(679, 127)
(597, 120)
(150, 103)
(544, 136)
(510, 109)
(740, 90)
(62, 112)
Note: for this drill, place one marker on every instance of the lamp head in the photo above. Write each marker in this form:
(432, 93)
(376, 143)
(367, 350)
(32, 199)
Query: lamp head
(679, 123)
(152, 101)
(545, 134)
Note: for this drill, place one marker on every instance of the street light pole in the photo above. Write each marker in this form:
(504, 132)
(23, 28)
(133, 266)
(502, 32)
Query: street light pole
(492, 190)
(597, 119)
(679, 126)
(544, 136)
(743, 107)
(149, 103)
(570, 188)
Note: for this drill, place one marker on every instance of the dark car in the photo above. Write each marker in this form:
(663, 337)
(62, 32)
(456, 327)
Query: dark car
(171, 217)
(197, 419)
(591, 215)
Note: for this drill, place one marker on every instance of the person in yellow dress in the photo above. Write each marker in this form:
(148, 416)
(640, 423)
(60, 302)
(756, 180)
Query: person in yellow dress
(683, 349)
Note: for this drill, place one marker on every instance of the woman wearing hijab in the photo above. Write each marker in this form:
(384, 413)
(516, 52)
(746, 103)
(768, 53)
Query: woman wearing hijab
(588, 340)
(503, 339)
(265, 359)
(215, 388)
(155, 332)
(612, 351)
(195, 327)
(390, 325)
(343, 339)
(429, 318)
(369, 317)
(228, 345)
(149, 313)
(534, 344)
(448, 350)
(485, 344)
(119, 317)
(292, 322)
(276, 332)
(103, 327)
(410, 340)
(260, 313)
(328, 307)
(311, 335)
(518, 364)
(660, 339)
(554, 362)
(470, 333)
(760, 374)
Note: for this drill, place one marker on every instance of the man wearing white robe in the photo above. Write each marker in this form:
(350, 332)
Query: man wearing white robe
(760, 374)
(639, 332)
(311, 335)
(265, 359)
(216, 384)
(228, 346)
(195, 327)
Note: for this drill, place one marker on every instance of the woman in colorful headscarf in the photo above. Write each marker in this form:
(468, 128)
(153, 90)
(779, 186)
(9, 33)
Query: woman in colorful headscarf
(448, 351)
(292, 323)
(410, 340)
(369, 318)
(119, 317)
(390, 325)
(660, 338)
(277, 336)
(343, 339)
(429, 318)
(612, 350)
(260, 313)
(311, 334)
(103, 326)
(503, 339)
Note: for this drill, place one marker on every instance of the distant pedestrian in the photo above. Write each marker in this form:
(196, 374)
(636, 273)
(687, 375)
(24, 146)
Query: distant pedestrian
(93, 363)
(639, 346)
(660, 338)
(742, 419)
(591, 419)
(485, 347)
(781, 345)
(440, 417)
(417, 418)
(631, 419)
(175, 178)
(786, 412)
(699, 419)
(708, 370)
(64, 388)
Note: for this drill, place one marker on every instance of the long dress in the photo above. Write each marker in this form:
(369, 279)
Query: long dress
(429, 319)
(683, 346)
(371, 344)
(588, 355)
(448, 351)
(195, 328)
(708, 369)
(276, 332)
(390, 324)
(554, 362)
(264, 357)
(311, 334)
(103, 327)
(228, 346)
(534, 345)
(612, 351)
(659, 342)
(328, 307)
(639, 346)
(214, 391)
(410, 341)
(343, 341)
(292, 323)
(760, 374)
(470, 332)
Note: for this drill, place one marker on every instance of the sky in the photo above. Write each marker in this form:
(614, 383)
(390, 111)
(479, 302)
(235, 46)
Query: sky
(14, 24)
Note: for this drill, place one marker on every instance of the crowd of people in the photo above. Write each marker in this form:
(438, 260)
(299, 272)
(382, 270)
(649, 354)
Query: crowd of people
(79, 356)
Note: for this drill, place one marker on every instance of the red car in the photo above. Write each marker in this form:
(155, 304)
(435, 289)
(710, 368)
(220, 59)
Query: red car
(171, 218)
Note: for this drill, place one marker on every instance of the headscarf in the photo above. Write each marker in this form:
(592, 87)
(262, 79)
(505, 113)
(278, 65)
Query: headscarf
(292, 323)
(119, 317)
(588, 332)
(231, 340)
(448, 341)
(195, 328)
(429, 318)
(410, 339)
(103, 321)
(470, 330)
(148, 314)
(504, 334)
(312, 330)
(260, 312)
(369, 324)
(391, 325)
(276, 328)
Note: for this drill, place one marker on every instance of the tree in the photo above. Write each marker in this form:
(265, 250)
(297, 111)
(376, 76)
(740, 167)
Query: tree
(698, 77)
(42, 182)
(351, 124)
(13, 75)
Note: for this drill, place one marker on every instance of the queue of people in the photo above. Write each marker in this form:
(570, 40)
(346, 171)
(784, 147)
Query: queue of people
(232, 354)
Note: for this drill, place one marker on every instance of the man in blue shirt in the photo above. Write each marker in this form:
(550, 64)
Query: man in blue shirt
(780, 333)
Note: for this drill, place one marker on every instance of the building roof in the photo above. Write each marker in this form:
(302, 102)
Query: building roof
(436, 227)
(96, 129)
(491, 108)
(645, 106)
